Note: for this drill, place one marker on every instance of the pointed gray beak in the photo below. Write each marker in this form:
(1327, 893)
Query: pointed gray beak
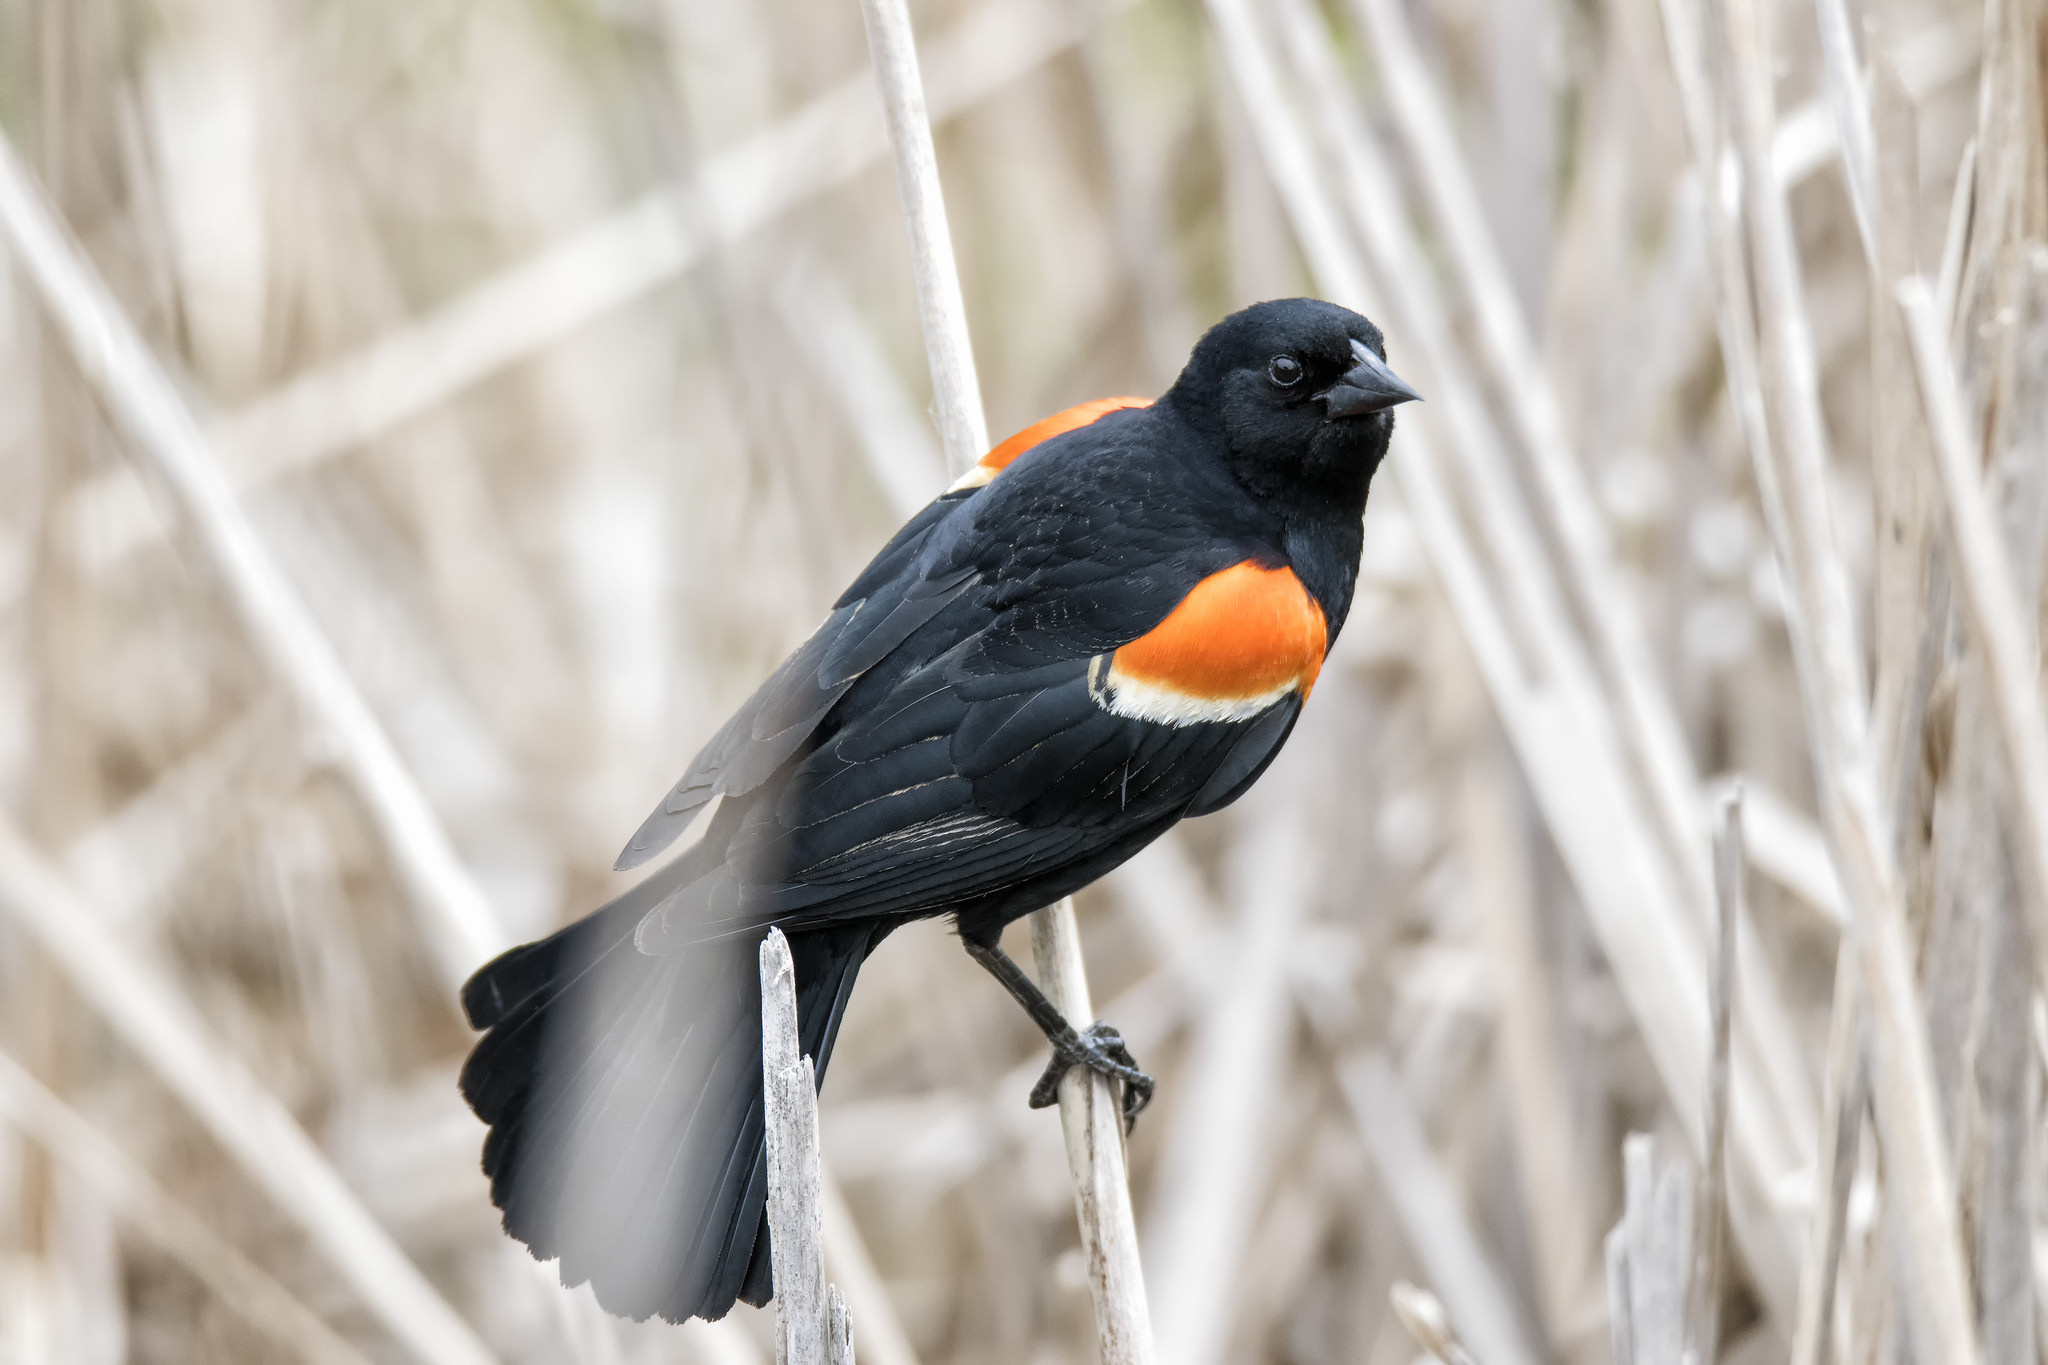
(1368, 386)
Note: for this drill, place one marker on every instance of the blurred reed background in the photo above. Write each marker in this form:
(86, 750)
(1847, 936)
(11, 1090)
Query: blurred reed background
(565, 360)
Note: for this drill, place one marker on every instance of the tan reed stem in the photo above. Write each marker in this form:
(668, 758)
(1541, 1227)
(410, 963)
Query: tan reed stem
(1090, 1114)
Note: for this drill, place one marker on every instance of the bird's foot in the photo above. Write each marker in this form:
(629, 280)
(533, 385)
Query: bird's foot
(1101, 1049)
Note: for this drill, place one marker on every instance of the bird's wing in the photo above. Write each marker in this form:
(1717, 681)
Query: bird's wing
(1014, 760)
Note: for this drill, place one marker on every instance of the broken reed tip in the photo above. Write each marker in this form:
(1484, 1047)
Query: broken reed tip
(1422, 1313)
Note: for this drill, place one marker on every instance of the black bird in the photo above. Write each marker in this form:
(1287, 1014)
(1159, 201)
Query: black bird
(1110, 624)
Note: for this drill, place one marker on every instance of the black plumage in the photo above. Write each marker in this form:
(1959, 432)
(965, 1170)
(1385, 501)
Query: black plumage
(957, 738)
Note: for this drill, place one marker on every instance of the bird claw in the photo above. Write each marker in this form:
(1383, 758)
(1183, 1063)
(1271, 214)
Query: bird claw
(1100, 1049)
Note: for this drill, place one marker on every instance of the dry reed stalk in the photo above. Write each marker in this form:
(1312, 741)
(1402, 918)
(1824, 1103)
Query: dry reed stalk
(1422, 1313)
(1735, 319)
(1648, 1256)
(1956, 242)
(138, 1199)
(2006, 192)
(1781, 843)
(1091, 1120)
(942, 311)
(838, 1329)
(2000, 629)
(1845, 1094)
(2003, 1197)
(150, 1015)
(1090, 1112)
(457, 921)
(1703, 1282)
(1849, 99)
(1830, 670)
(1908, 632)
(796, 1222)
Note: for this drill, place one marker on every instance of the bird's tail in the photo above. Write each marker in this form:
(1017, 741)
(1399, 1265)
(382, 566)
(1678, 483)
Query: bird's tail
(624, 1097)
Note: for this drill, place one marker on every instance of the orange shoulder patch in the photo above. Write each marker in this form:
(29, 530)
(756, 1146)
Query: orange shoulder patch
(1039, 432)
(1241, 640)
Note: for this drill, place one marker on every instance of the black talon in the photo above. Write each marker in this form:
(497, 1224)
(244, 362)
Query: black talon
(1100, 1049)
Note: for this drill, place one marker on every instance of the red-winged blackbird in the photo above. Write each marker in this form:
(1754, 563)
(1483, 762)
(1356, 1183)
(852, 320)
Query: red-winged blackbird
(1111, 623)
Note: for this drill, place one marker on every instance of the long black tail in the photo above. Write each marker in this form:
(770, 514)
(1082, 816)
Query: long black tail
(623, 1093)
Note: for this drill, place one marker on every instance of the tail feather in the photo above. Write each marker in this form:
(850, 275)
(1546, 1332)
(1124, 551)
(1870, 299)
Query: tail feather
(625, 1102)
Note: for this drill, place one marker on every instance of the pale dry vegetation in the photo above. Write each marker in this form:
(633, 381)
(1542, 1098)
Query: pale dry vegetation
(550, 366)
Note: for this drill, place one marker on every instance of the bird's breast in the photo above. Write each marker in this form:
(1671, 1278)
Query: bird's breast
(1242, 639)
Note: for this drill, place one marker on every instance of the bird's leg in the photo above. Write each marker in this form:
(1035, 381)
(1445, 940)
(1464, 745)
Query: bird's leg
(1101, 1048)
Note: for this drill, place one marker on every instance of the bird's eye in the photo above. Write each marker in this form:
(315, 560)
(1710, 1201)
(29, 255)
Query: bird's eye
(1284, 370)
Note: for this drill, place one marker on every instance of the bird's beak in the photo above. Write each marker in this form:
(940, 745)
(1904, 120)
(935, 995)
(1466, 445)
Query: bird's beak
(1368, 386)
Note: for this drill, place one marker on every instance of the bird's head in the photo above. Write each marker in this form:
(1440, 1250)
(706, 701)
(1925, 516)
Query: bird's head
(1300, 393)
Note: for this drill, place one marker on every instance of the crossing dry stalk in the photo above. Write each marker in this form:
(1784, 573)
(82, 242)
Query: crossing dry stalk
(1090, 1111)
